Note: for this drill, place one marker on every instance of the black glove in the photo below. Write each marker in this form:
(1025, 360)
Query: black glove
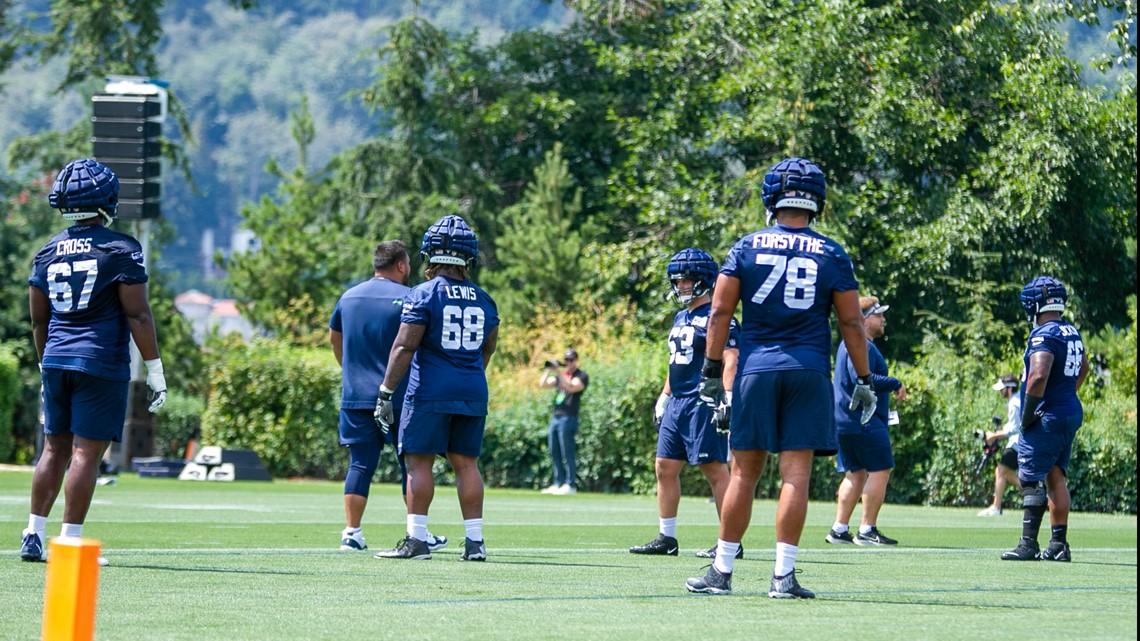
(385, 413)
(1031, 412)
(863, 394)
(711, 388)
(722, 415)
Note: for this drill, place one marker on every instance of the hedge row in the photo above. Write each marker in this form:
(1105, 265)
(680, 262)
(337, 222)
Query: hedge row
(9, 391)
(283, 401)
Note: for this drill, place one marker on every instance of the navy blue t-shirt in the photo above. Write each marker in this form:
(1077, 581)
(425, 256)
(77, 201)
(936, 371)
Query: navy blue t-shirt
(80, 270)
(368, 316)
(1064, 341)
(447, 370)
(846, 420)
(787, 276)
(687, 348)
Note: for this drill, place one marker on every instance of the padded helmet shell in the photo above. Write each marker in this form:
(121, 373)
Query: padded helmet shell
(83, 188)
(795, 182)
(1043, 294)
(450, 241)
(693, 264)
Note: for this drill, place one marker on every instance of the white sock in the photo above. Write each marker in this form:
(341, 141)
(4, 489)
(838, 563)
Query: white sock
(417, 526)
(863, 529)
(725, 555)
(668, 527)
(72, 529)
(785, 558)
(38, 524)
(839, 528)
(473, 528)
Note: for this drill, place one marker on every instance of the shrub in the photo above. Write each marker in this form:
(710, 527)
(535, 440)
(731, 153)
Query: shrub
(9, 393)
(280, 401)
(178, 422)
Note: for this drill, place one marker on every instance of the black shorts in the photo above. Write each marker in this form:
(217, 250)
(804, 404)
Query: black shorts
(1009, 458)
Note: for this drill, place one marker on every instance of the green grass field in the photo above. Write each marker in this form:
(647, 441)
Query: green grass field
(201, 561)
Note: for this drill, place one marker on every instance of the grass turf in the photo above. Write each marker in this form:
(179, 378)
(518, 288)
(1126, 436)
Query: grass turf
(260, 561)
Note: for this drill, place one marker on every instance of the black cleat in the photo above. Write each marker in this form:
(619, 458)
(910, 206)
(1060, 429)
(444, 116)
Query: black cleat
(713, 582)
(711, 553)
(473, 551)
(874, 537)
(1056, 551)
(407, 548)
(1026, 550)
(787, 587)
(663, 545)
(840, 538)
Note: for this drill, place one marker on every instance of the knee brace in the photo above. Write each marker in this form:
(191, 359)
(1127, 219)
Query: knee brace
(1033, 494)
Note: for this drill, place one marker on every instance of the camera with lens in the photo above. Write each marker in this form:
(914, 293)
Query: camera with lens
(553, 364)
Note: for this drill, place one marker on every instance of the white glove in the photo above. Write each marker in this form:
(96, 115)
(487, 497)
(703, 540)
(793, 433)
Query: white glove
(385, 412)
(722, 415)
(863, 394)
(156, 381)
(659, 409)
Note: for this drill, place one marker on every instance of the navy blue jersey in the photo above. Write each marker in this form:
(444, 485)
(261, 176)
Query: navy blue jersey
(80, 270)
(447, 370)
(687, 348)
(368, 316)
(787, 277)
(847, 420)
(1064, 342)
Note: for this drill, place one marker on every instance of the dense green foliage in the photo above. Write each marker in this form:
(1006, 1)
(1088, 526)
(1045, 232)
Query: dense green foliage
(281, 402)
(10, 384)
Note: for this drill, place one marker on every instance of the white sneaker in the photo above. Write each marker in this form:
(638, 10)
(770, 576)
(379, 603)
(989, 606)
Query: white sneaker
(435, 543)
(566, 490)
(990, 511)
(103, 562)
(354, 541)
(553, 489)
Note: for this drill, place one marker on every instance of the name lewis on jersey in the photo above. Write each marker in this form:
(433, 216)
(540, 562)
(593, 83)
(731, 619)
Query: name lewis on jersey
(73, 246)
(794, 242)
(461, 292)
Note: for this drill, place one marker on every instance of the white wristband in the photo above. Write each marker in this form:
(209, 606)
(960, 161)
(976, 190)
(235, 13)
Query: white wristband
(728, 397)
(154, 366)
(386, 390)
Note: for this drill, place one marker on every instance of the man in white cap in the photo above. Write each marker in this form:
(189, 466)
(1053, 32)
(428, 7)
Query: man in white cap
(1006, 470)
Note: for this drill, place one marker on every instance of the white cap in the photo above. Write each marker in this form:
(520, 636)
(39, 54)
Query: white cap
(1000, 385)
(876, 309)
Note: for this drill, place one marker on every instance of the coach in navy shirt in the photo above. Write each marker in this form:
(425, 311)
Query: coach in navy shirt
(362, 329)
(448, 331)
(865, 457)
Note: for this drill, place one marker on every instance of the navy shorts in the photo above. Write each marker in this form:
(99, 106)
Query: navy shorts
(1048, 443)
(84, 405)
(359, 426)
(423, 432)
(870, 450)
(783, 410)
(687, 433)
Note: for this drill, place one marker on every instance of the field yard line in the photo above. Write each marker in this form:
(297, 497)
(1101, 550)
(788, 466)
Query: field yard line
(509, 551)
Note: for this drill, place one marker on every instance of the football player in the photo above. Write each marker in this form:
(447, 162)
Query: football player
(448, 331)
(361, 331)
(788, 278)
(1051, 413)
(87, 298)
(689, 430)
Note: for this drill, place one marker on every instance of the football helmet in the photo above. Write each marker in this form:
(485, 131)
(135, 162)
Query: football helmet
(1043, 294)
(450, 241)
(794, 182)
(85, 188)
(692, 264)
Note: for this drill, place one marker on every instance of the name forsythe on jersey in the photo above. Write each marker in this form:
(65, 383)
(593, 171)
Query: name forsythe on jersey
(794, 242)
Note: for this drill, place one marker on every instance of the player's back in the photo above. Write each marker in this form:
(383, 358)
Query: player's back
(80, 270)
(369, 319)
(1064, 342)
(787, 276)
(447, 369)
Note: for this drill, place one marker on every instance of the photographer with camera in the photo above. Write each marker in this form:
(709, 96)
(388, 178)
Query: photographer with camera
(570, 384)
(1006, 471)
